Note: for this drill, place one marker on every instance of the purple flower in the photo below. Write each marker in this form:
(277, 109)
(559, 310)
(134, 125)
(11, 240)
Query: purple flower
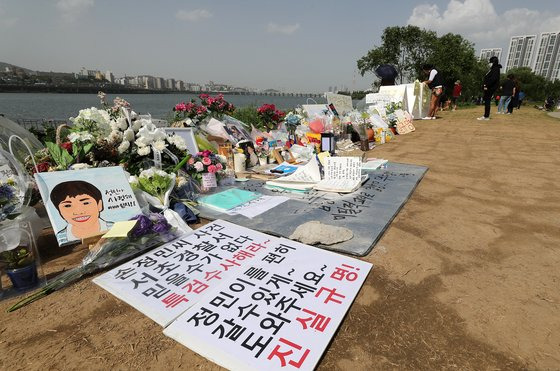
(161, 227)
(142, 227)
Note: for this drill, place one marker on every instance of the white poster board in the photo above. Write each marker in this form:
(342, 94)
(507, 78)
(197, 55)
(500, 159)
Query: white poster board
(165, 282)
(279, 313)
(241, 298)
(342, 103)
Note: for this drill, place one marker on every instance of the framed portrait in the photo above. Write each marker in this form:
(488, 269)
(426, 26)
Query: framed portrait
(235, 129)
(187, 134)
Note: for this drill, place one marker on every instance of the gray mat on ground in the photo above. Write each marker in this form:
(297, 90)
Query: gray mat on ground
(367, 212)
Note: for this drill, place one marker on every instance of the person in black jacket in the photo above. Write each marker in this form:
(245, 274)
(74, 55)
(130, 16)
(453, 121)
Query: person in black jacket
(491, 83)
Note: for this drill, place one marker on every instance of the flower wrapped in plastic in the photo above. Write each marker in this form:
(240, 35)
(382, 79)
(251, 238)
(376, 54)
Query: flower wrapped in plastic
(151, 230)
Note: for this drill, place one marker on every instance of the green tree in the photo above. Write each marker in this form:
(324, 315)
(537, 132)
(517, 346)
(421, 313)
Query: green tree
(409, 47)
(404, 47)
(536, 87)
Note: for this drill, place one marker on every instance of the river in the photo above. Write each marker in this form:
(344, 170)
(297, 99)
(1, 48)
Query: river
(62, 106)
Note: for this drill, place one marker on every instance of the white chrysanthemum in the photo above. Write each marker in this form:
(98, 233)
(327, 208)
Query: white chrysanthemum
(141, 142)
(148, 173)
(143, 151)
(162, 173)
(159, 145)
(133, 180)
(136, 125)
(122, 123)
(72, 137)
(114, 126)
(124, 146)
(129, 135)
(178, 141)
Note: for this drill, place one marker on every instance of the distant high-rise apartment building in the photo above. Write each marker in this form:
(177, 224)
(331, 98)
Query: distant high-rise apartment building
(170, 84)
(486, 54)
(547, 61)
(109, 77)
(521, 50)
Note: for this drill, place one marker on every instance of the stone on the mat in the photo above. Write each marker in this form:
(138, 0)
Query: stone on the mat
(314, 233)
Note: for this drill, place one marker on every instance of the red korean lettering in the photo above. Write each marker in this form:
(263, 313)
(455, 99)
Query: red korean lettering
(282, 355)
(318, 321)
(172, 300)
(344, 272)
(331, 293)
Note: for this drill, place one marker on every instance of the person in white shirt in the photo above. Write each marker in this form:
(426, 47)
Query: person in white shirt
(435, 83)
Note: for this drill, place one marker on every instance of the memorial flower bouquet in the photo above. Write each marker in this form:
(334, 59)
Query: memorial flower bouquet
(190, 112)
(269, 117)
(10, 201)
(209, 106)
(151, 230)
(155, 182)
(217, 106)
(206, 168)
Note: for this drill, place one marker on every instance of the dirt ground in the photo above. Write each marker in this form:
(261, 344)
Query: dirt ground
(466, 277)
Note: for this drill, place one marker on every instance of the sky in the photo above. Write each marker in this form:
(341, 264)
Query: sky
(289, 45)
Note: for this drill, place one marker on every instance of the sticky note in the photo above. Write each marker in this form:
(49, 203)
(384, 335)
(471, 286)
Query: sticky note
(322, 156)
(120, 229)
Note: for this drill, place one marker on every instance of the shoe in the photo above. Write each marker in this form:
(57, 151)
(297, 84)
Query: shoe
(433, 118)
(483, 118)
(426, 118)
(508, 113)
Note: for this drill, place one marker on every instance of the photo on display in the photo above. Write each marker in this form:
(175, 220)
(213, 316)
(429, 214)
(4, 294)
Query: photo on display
(235, 129)
(85, 203)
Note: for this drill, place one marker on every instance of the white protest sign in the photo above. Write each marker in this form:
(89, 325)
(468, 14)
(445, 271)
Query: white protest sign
(168, 280)
(278, 313)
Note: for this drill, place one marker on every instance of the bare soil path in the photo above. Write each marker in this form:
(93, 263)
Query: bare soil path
(466, 277)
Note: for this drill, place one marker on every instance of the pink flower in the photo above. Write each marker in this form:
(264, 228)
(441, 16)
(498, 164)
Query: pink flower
(218, 166)
(181, 107)
(206, 153)
(212, 169)
(191, 160)
(198, 166)
(206, 161)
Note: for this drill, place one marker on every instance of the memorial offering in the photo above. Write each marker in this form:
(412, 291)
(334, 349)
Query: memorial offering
(244, 299)
(84, 203)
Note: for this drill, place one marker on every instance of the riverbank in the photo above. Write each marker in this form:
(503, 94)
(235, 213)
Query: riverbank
(465, 277)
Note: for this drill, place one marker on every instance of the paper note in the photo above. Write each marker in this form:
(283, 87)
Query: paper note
(120, 229)
(349, 168)
(322, 156)
(256, 207)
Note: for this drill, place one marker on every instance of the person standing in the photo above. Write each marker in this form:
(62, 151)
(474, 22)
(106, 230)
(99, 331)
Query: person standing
(520, 98)
(514, 97)
(508, 91)
(457, 89)
(435, 83)
(490, 84)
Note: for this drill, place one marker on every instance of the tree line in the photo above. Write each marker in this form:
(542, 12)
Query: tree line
(409, 47)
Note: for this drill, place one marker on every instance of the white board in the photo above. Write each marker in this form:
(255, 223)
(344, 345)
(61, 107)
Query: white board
(165, 282)
(279, 313)
(270, 302)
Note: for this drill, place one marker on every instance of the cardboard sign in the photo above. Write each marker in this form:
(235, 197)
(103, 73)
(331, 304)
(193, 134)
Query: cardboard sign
(342, 103)
(404, 122)
(278, 312)
(82, 203)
